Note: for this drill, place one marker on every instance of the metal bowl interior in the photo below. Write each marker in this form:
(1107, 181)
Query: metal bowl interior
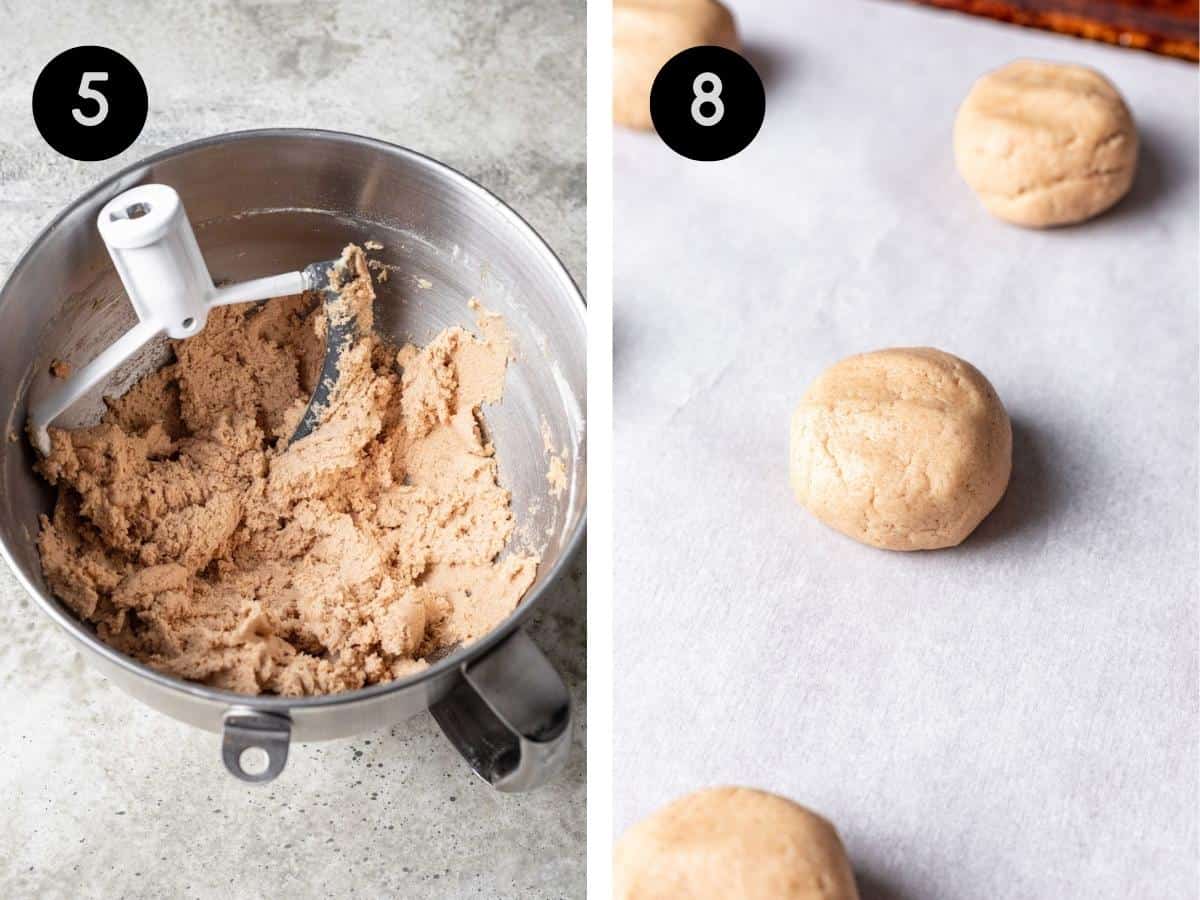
(272, 201)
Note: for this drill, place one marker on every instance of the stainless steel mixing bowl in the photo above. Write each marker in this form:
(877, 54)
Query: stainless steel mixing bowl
(272, 201)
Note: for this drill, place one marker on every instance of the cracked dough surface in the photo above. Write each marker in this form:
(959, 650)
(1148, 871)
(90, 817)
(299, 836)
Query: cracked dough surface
(196, 542)
(1045, 144)
(902, 449)
(733, 842)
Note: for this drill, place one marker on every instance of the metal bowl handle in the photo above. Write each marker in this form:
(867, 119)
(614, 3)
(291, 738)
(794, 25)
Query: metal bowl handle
(509, 716)
(249, 731)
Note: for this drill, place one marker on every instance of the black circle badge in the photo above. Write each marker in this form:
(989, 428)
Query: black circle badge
(90, 103)
(707, 103)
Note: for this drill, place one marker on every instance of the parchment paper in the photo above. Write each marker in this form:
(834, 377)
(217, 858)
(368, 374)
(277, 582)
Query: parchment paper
(1015, 718)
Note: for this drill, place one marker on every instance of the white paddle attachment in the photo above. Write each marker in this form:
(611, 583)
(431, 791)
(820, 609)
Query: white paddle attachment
(152, 246)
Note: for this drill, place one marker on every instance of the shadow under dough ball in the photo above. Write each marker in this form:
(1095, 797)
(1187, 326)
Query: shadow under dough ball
(732, 842)
(646, 34)
(901, 449)
(1045, 144)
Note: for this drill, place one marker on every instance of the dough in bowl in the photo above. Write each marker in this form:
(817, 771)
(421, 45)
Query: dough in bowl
(1045, 144)
(197, 538)
(647, 33)
(732, 842)
(902, 449)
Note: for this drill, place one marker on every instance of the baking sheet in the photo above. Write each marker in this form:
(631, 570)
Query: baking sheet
(1160, 26)
(1016, 717)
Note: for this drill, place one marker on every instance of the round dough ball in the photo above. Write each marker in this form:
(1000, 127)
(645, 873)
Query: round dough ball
(732, 842)
(647, 33)
(903, 449)
(1045, 143)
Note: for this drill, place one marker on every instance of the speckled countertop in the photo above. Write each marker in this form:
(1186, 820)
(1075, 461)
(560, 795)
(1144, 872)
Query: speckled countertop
(103, 797)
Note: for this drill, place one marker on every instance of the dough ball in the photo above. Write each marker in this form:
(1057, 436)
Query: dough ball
(647, 33)
(904, 449)
(1045, 143)
(732, 842)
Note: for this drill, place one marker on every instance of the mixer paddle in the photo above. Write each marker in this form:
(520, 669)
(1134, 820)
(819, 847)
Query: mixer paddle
(154, 251)
(341, 331)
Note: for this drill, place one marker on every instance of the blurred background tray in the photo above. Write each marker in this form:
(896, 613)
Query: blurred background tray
(1169, 27)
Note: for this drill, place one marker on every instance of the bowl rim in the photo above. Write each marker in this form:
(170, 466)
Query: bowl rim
(460, 657)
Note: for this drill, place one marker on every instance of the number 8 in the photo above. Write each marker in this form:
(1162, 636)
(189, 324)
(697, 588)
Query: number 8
(87, 92)
(711, 95)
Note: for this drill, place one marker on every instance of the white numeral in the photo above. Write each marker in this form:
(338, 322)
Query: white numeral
(87, 92)
(710, 94)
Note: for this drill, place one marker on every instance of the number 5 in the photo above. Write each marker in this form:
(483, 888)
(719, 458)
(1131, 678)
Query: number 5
(87, 92)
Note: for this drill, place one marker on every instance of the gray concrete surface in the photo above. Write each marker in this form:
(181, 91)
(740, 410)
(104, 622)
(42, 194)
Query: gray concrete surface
(103, 797)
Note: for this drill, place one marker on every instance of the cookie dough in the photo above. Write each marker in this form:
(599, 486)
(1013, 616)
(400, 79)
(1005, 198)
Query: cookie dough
(903, 449)
(647, 33)
(733, 842)
(1045, 144)
(195, 541)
